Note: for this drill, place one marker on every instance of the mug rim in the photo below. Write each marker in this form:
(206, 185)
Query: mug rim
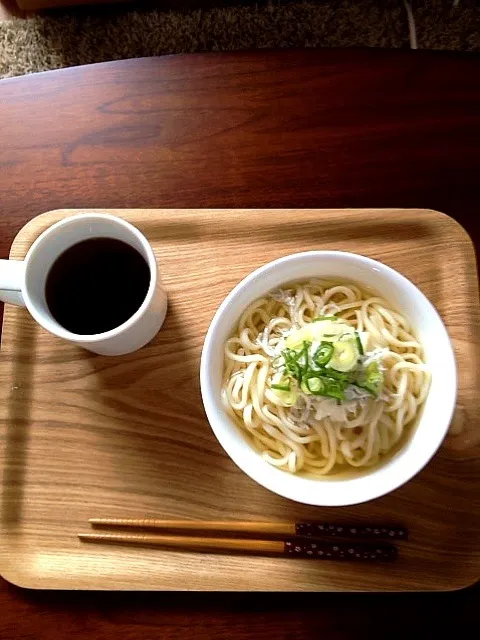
(55, 327)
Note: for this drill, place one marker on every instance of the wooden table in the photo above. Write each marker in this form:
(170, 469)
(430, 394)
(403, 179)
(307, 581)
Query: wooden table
(320, 128)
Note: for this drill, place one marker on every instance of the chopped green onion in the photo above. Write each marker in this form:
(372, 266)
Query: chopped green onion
(323, 354)
(324, 372)
(336, 375)
(292, 366)
(320, 386)
(315, 385)
(320, 318)
(305, 356)
(304, 388)
(371, 379)
(297, 362)
(374, 379)
(314, 373)
(281, 387)
(363, 387)
(335, 389)
(359, 344)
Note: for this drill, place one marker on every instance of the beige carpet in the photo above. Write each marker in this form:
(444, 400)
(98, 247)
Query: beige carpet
(80, 36)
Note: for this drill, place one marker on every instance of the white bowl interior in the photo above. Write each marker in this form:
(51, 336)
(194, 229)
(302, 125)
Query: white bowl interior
(404, 297)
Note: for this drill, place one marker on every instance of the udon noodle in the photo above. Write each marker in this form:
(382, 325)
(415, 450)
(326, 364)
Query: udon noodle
(303, 407)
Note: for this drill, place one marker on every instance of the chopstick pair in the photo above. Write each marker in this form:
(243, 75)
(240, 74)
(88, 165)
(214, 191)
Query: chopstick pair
(300, 540)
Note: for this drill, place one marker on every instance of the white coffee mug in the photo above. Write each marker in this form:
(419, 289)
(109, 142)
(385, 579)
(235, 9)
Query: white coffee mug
(22, 282)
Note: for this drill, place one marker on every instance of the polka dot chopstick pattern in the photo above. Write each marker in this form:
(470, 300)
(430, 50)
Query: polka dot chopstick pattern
(304, 548)
(372, 532)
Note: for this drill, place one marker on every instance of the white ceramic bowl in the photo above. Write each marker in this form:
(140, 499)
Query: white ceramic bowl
(404, 296)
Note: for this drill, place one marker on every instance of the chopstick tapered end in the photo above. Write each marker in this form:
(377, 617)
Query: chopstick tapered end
(84, 536)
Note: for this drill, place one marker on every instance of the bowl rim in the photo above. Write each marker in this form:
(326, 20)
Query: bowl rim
(249, 463)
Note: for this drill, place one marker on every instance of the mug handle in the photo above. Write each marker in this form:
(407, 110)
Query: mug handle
(11, 279)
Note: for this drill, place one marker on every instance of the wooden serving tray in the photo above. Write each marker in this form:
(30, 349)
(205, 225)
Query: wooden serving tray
(90, 436)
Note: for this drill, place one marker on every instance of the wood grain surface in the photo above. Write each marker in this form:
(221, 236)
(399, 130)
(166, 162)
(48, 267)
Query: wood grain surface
(91, 436)
(313, 128)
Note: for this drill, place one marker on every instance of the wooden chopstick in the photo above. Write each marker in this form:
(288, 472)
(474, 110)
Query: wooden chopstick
(309, 529)
(290, 547)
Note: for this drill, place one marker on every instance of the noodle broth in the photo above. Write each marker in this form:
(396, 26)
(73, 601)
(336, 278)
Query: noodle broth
(298, 411)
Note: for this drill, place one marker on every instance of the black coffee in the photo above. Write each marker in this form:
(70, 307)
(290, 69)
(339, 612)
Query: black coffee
(96, 285)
